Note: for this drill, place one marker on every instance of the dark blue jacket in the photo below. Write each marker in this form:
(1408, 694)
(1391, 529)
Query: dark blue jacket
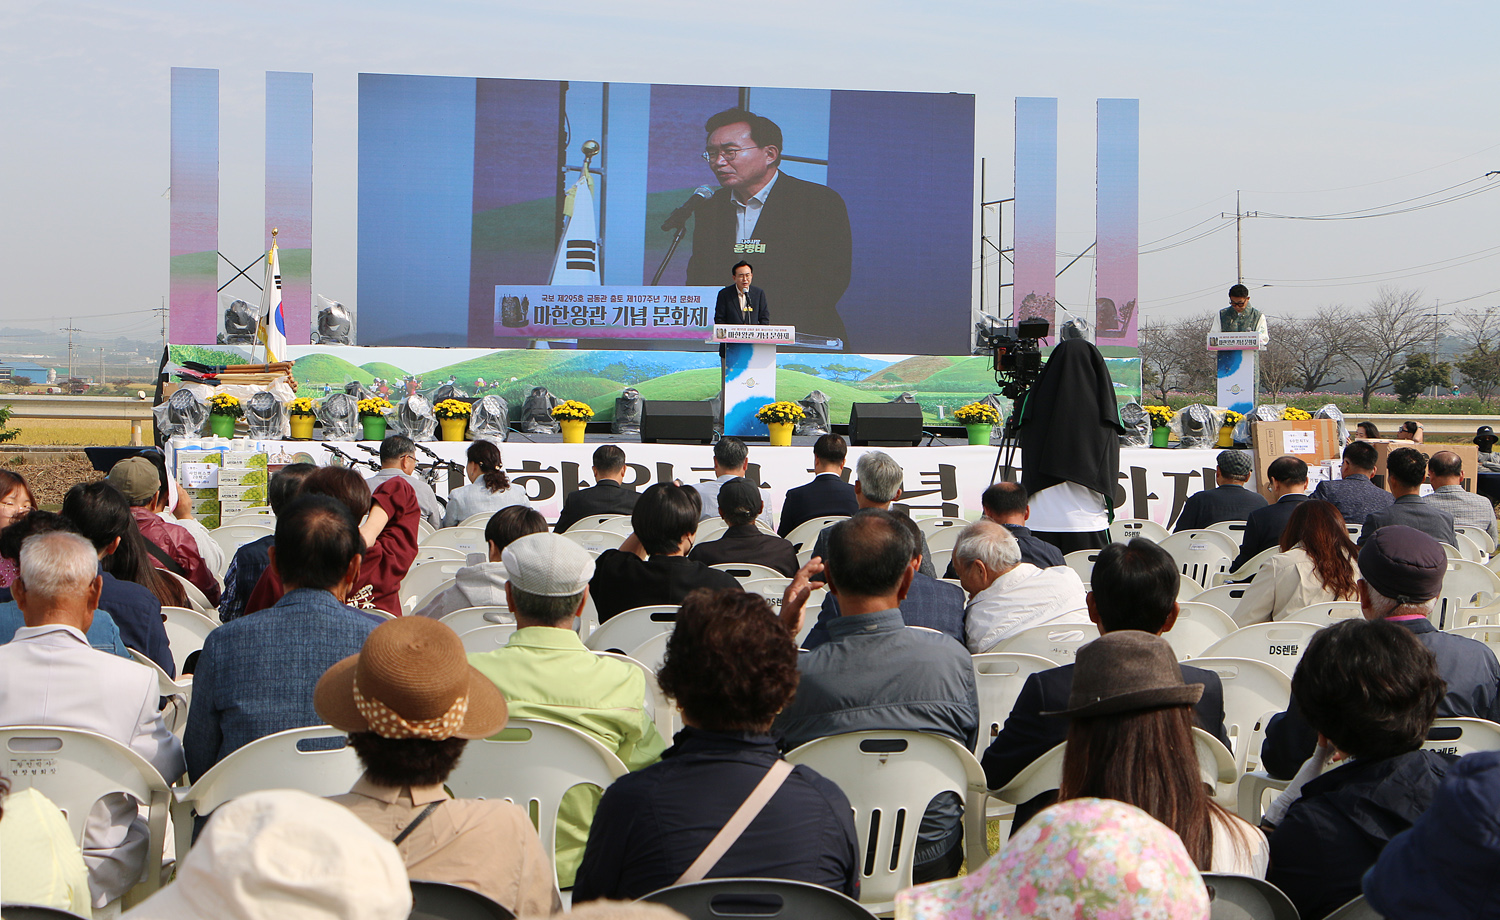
(1264, 526)
(608, 497)
(653, 823)
(1221, 503)
(1355, 496)
(930, 603)
(249, 563)
(825, 496)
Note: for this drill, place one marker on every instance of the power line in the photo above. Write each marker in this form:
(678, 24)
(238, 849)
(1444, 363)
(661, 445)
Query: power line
(1366, 213)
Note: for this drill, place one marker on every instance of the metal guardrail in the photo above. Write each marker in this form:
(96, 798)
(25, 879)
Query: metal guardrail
(93, 408)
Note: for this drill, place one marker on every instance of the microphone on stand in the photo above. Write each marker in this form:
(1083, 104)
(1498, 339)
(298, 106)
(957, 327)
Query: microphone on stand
(679, 217)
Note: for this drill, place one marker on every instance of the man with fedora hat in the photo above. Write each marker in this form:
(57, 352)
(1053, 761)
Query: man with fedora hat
(1229, 500)
(1401, 575)
(410, 703)
(546, 673)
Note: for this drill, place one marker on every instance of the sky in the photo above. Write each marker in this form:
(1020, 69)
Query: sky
(1307, 109)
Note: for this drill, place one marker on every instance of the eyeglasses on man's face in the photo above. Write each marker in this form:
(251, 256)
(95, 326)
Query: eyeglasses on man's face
(728, 153)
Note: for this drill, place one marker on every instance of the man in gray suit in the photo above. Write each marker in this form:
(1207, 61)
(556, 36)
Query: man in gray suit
(1405, 469)
(1446, 473)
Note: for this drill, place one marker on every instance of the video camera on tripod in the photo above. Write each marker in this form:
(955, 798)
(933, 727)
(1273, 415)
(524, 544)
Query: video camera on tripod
(1017, 350)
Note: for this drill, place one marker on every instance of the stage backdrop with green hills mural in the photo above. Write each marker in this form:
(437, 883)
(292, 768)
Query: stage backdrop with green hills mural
(939, 384)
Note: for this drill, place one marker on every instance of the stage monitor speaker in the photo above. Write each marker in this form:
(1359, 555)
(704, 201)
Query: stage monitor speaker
(885, 424)
(676, 420)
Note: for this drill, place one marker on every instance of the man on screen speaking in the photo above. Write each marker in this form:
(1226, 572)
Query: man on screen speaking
(797, 231)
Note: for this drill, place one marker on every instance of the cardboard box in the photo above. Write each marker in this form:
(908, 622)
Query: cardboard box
(1310, 440)
(1468, 453)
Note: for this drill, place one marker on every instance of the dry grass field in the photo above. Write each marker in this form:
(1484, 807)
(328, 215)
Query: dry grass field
(54, 432)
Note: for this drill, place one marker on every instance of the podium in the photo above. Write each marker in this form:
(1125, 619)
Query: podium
(748, 366)
(1239, 369)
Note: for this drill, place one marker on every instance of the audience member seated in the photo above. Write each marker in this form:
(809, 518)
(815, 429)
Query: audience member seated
(929, 603)
(740, 504)
(40, 862)
(1401, 573)
(1316, 565)
(16, 502)
(102, 632)
(411, 703)
(731, 461)
(1007, 595)
(483, 584)
(1134, 589)
(1410, 431)
(1405, 469)
(1231, 499)
(256, 674)
(50, 676)
(171, 547)
(874, 673)
(827, 495)
(1443, 866)
(387, 526)
(1445, 471)
(177, 511)
(398, 460)
(1353, 493)
(1130, 738)
(607, 495)
(284, 855)
(1288, 483)
(1080, 858)
(546, 673)
(134, 590)
(252, 559)
(652, 567)
(1365, 431)
(877, 484)
(489, 489)
(1007, 504)
(731, 666)
(1371, 691)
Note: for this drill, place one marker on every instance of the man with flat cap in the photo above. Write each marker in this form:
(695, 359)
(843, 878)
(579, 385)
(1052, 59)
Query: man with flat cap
(1401, 575)
(1231, 499)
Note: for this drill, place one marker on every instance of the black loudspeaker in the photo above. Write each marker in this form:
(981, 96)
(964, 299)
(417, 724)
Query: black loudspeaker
(885, 424)
(676, 420)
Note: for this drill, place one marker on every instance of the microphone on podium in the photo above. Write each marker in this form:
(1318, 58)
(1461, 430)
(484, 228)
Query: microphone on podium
(679, 217)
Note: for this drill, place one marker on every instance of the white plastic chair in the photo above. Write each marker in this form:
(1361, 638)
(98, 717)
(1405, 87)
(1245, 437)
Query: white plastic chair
(1082, 562)
(652, 652)
(626, 630)
(487, 638)
(774, 899)
(1488, 634)
(1251, 566)
(195, 596)
(1326, 614)
(1469, 548)
(661, 709)
(316, 760)
(1279, 643)
(1209, 535)
(1253, 692)
(469, 618)
(1198, 626)
(940, 559)
(1224, 597)
(187, 630)
(746, 572)
(478, 520)
(1235, 530)
(946, 538)
(593, 521)
(1058, 644)
(1462, 736)
(1199, 559)
(1123, 530)
(711, 529)
(464, 539)
(999, 677)
(807, 531)
(931, 525)
(612, 523)
(772, 589)
(889, 777)
(438, 554)
(262, 515)
(1479, 535)
(596, 541)
(533, 764)
(179, 694)
(231, 537)
(1466, 584)
(424, 529)
(422, 579)
(75, 769)
(1187, 589)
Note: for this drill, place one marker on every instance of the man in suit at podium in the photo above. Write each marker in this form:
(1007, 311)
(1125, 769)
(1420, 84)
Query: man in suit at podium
(742, 303)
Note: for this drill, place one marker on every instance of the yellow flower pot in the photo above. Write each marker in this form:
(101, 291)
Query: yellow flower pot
(453, 428)
(781, 433)
(302, 427)
(1226, 436)
(572, 429)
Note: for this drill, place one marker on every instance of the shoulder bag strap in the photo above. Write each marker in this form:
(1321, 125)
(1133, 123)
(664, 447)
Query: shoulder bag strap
(737, 823)
(167, 562)
(422, 816)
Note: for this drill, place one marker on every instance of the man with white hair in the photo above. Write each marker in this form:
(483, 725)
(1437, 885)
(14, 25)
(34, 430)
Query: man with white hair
(1007, 595)
(877, 483)
(50, 676)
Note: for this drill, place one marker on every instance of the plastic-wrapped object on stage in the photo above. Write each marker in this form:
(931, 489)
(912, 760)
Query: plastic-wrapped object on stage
(815, 405)
(182, 415)
(489, 419)
(265, 416)
(448, 391)
(716, 411)
(1198, 426)
(1137, 425)
(339, 414)
(627, 418)
(1332, 411)
(905, 398)
(358, 390)
(1267, 413)
(415, 419)
(536, 412)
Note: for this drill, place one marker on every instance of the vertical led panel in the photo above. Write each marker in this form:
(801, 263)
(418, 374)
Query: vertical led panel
(194, 245)
(1036, 209)
(289, 174)
(1117, 222)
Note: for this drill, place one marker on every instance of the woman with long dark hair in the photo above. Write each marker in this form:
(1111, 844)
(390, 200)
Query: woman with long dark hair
(489, 489)
(1316, 565)
(1131, 739)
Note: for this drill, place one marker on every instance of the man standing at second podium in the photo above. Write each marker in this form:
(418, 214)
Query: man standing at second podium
(1239, 316)
(742, 303)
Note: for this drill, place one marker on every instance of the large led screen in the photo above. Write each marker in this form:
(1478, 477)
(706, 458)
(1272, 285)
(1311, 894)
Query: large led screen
(509, 213)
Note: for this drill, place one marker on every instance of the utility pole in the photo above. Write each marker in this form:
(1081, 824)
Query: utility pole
(101, 366)
(1239, 242)
(163, 312)
(69, 329)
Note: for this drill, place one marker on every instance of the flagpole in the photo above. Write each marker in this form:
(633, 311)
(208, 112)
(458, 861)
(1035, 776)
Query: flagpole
(265, 356)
